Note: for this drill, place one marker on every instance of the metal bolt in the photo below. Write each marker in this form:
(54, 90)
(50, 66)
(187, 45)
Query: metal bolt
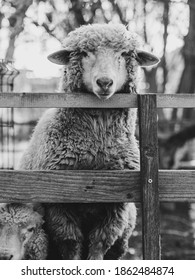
(150, 181)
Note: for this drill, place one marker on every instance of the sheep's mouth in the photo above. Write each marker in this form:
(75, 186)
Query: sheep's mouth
(104, 96)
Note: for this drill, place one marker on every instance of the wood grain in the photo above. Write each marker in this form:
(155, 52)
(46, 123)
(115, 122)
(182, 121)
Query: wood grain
(83, 100)
(177, 185)
(69, 186)
(91, 186)
(149, 176)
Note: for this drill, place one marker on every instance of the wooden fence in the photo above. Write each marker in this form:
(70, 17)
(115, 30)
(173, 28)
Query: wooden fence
(149, 186)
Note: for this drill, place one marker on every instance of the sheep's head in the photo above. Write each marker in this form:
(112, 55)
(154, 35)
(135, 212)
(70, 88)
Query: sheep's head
(19, 224)
(101, 59)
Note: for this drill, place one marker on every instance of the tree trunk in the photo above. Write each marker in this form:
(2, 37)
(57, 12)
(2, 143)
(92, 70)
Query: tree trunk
(16, 21)
(187, 82)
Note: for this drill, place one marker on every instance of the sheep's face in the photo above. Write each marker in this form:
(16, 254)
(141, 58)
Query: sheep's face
(13, 239)
(16, 230)
(104, 72)
(101, 58)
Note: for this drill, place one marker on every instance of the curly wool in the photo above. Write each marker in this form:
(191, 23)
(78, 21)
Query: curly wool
(19, 215)
(91, 37)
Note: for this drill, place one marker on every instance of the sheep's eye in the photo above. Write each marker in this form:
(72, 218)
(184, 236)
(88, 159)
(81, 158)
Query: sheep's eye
(124, 54)
(30, 229)
(23, 237)
(84, 54)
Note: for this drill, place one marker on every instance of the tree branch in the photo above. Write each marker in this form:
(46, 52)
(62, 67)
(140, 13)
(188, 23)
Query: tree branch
(118, 11)
(47, 29)
(16, 21)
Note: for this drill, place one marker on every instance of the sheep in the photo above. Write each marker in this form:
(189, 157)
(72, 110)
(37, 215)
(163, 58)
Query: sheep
(100, 59)
(21, 233)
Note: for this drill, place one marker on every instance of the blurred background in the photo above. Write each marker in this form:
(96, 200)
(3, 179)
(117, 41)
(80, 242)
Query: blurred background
(30, 30)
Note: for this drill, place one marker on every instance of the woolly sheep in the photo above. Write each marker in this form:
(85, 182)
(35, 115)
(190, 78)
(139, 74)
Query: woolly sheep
(100, 59)
(21, 233)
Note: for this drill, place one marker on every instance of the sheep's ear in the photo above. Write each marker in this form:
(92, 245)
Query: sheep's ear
(60, 57)
(146, 59)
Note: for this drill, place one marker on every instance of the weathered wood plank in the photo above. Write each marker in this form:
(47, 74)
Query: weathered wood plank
(149, 176)
(83, 100)
(108, 186)
(177, 185)
(175, 101)
(69, 186)
(55, 100)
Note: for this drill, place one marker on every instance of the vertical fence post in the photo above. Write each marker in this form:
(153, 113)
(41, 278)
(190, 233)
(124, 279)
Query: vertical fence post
(149, 176)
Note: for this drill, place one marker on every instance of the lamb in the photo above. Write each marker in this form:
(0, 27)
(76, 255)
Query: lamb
(21, 233)
(100, 59)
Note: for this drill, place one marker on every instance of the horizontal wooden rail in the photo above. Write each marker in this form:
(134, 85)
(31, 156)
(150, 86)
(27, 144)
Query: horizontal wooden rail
(83, 100)
(91, 186)
(69, 100)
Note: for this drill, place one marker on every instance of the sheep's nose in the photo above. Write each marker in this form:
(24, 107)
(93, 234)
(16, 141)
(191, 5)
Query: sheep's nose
(104, 83)
(6, 256)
